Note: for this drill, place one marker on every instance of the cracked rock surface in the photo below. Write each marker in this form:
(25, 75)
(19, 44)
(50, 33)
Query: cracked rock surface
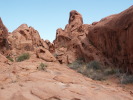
(22, 81)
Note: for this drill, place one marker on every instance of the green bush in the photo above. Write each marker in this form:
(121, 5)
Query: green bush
(23, 57)
(92, 69)
(126, 79)
(55, 55)
(94, 65)
(9, 58)
(42, 66)
(97, 71)
(76, 64)
(111, 71)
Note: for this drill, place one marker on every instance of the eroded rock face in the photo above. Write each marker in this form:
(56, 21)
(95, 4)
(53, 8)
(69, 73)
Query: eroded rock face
(26, 38)
(113, 36)
(71, 43)
(67, 39)
(3, 37)
(108, 41)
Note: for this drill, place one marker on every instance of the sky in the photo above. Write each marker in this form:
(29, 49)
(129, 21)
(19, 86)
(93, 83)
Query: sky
(47, 16)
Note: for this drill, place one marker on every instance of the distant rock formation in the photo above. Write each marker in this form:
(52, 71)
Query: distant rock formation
(24, 39)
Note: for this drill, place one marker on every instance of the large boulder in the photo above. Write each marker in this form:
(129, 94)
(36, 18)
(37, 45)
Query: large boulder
(45, 55)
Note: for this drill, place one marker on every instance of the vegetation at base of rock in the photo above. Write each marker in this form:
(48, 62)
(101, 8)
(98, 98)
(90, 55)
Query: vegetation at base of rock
(96, 71)
(10, 58)
(126, 79)
(92, 69)
(22, 57)
(42, 66)
(55, 55)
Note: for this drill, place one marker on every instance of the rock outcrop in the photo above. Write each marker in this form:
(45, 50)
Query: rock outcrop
(45, 55)
(3, 37)
(108, 41)
(113, 36)
(26, 38)
(67, 39)
(71, 43)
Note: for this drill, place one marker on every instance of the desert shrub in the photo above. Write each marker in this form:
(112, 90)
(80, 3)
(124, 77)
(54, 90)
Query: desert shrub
(76, 64)
(96, 71)
(111, 71)
(23, 57)
(94, 65)
(81, 59)
(126, 79)
(55, 55)
(92, 73)
(9, 58)
(42, 66)
(92, 69)
(97, 76)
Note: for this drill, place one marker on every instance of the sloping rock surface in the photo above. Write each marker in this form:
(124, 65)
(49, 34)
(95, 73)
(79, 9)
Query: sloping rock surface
(22, 81)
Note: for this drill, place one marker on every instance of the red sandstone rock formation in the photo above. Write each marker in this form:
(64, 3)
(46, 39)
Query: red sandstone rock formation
(3, 37)
(113, 36)
(45, 54)
(26, 38)
(67, 39)
(71, 43)
(109, 39)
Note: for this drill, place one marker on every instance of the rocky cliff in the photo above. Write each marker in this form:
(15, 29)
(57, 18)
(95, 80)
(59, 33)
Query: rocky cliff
(113, 36)
(108, 41)
(3, 38)
(72, 42)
